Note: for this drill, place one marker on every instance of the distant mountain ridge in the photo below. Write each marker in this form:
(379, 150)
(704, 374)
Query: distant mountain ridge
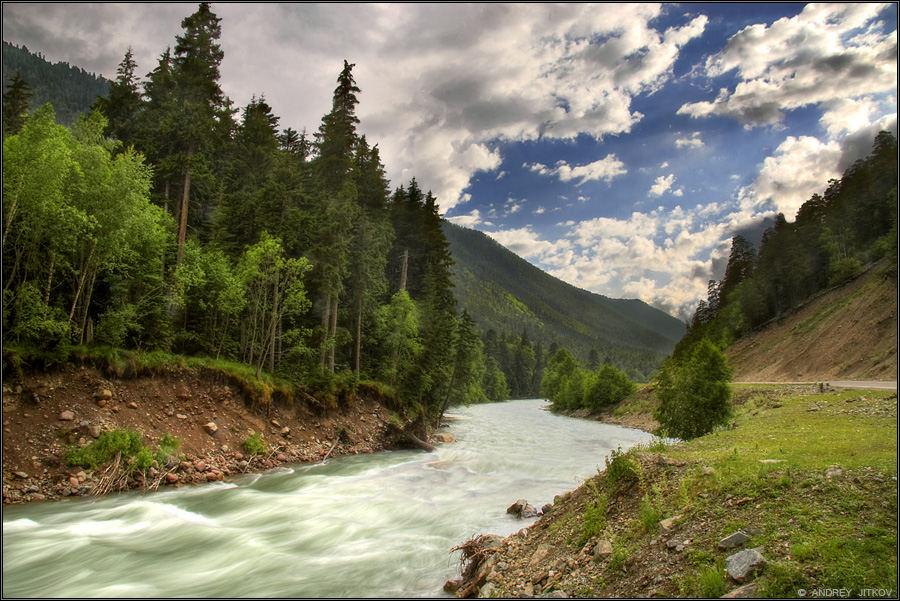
(504, 292)
(70, 89)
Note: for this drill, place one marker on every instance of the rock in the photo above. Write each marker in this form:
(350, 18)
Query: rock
(181, 416)
(171, 478)
(22, 475)
(104, 395)
(748, 591)
(451, 586)
(200, 466)
(745, 564)
(528, 590)
(539, 556)
(487, 590)
(522, 509)
(95, 431)
(667, 526)
(285, 431)
(281, 457)
(445, 437)
(212, 476)
(603, 549)
(101, 403)
(546, 508)
(73, 482)
(211, 428)
(132, 405)
(733, 540)
(66, 416)
(276, 424)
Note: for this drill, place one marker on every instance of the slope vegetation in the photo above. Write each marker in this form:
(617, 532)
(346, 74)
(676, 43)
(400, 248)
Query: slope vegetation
(847, 333)
(505, 292)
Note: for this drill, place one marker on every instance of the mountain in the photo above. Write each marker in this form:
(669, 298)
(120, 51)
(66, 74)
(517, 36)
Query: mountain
(504, 292)
(846, 333)
(71, 90)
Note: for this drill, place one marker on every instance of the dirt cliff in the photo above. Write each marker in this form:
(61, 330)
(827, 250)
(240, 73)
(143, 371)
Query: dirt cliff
(45, 413)
(847, 333)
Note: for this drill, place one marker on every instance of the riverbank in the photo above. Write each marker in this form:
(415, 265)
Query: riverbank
(799, 494)
(46, 413)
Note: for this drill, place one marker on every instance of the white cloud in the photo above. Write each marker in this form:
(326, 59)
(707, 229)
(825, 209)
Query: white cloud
(805, 60)
(693, 142)
(663, 183)
(468, 220)
(605, 169)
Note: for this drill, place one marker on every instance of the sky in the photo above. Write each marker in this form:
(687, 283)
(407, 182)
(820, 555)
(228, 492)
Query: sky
(619, 147)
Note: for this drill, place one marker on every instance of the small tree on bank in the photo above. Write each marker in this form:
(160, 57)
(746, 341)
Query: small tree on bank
(694, 397)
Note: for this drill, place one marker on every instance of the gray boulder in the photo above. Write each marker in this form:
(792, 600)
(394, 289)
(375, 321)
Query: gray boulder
(744, 565)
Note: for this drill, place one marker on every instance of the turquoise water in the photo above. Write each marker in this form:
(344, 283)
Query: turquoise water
(378, 525)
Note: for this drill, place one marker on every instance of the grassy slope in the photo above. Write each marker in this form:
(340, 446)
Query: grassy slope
(825, 510)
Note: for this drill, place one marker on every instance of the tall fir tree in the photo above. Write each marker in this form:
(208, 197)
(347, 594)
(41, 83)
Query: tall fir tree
(123, 105)
(15, 105)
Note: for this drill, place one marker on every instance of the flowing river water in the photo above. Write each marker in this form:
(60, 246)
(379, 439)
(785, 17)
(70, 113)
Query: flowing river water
(379, 525)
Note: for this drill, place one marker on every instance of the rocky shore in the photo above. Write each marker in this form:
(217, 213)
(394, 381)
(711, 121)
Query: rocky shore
(47, 413)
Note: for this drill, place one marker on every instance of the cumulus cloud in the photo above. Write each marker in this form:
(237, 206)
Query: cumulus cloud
(693, 142)
(807, 59)
(662, 184)
(605, 169)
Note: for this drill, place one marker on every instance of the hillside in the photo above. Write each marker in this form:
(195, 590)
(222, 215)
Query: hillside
(847, 333)
(70, 89)
(505, 292)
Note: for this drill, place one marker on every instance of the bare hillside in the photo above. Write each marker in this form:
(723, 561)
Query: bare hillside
(848, 333)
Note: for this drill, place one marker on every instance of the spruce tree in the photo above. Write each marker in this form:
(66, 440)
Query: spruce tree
(15, 105)
(124, 104)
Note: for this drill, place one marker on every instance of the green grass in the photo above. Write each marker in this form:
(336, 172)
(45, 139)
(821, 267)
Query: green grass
(254, 444)
(819, 532)
(128, 442)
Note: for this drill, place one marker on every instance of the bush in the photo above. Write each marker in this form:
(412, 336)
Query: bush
(254, 444)
(608, 387)
(108, 445)
(694, 397)
(620, 468)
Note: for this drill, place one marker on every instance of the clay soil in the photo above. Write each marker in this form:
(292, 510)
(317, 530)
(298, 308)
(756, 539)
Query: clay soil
(47, 413)
(848, 333)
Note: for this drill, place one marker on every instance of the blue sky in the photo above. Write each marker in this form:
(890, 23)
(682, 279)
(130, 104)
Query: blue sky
(616, 146)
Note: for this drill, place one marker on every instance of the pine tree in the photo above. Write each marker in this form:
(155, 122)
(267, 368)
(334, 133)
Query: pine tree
(124, 104)
(200, 104)
(336, 207)
(15, 105)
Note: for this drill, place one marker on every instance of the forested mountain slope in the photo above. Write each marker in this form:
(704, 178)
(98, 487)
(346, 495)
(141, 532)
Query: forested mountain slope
(506, 293)
(847, 333)
(70, 89)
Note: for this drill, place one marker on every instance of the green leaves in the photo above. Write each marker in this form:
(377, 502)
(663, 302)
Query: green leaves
(695, 397)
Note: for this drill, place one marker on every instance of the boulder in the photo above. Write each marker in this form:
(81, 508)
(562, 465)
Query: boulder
(522, 509)
(104, 395)
(445, 437)
(171, 478)
(745, 564)
(546, 508)
(667, 526)
(200, 466)
(603, 549)
(211, 428)
(66, 416)
(733, 540)
(95, 431)
(285, 431)
(748, 591)
(451, 586)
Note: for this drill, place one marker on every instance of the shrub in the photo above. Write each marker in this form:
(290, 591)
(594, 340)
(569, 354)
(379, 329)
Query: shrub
(620, 468)
(108, 445)
(608, 387)
(254, 444)
(650, 514)
(594, 520)
(694, 397)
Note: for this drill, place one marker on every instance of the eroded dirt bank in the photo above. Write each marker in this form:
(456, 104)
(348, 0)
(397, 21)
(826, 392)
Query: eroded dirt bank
(46, 413)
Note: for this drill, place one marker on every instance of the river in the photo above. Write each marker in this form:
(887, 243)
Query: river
(379, 525)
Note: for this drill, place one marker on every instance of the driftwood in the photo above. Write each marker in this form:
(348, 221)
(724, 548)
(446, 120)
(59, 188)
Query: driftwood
(415, 440)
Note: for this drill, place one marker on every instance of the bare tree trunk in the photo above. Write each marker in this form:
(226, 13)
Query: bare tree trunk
(87, 305)
(49, 279)
(80, 285)
(358, 334)
(326, 318)
(274, 324)
(182, 226)
(403, 270)
(334, 312)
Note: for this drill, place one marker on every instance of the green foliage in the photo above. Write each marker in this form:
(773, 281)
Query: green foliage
(650, 514)
(694, 397)
(621, 469)
(126, 442)
(254, 444)
(608, 387)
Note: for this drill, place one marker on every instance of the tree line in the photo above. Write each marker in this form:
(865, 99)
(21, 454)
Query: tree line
(834, 236)
(167, 219)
